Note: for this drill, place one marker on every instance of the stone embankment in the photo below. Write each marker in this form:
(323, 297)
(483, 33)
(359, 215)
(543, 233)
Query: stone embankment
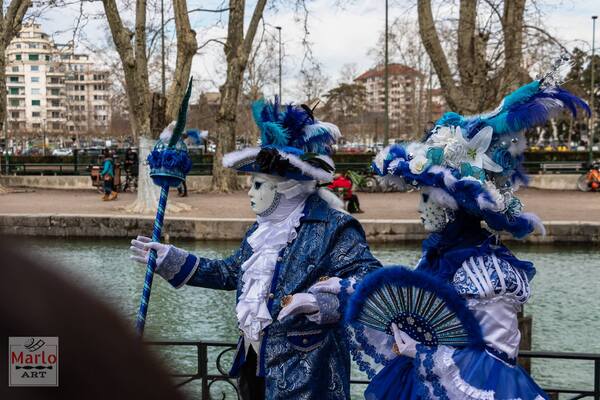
(377, 231)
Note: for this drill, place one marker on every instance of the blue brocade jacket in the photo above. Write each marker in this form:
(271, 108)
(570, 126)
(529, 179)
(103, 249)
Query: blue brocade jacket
(299, 359)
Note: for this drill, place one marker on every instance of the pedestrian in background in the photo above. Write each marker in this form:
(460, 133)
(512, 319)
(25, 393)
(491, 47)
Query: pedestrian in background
(108, 177)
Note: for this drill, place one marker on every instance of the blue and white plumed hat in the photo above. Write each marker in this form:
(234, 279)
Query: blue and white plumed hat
(293, 144)
(475, 163)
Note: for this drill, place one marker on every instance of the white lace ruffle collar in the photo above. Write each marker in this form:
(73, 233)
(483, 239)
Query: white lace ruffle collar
(272, 235)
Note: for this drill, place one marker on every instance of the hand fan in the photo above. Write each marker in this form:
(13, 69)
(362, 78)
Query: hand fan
(427, 309)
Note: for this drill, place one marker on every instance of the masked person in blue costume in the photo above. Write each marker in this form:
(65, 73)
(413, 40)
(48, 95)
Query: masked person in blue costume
(468, 169)
(298, 239)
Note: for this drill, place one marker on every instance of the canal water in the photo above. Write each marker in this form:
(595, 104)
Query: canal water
(565, 305)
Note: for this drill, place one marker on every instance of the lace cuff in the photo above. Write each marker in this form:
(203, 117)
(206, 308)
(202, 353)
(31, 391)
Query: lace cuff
(177, 267)
(328, 309)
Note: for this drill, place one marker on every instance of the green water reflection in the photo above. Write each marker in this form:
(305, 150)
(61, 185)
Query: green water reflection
(565, 304)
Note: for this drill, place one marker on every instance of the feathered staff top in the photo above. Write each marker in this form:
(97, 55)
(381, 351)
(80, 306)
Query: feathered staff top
(293, 143)
(474, 163)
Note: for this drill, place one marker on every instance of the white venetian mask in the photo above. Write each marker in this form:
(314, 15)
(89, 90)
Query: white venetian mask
(263, 194)
(433, 216)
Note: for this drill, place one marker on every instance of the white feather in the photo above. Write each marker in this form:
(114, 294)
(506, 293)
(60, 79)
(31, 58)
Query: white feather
(307, 169)
(331, 199)
(230, 159)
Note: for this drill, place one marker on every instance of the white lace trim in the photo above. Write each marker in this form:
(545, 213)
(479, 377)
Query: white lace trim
(449, 376)
(266, 241)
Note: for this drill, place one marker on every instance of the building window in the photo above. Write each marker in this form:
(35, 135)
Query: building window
(35, 68)
(35, 102)
(55, 103)
(34, 57)
(15, 114)
(14, 79)
(35, 90)
(56, 125)
(47, 58)
(55, 114)
(81, 77)
(17, 57)
(15, 69)
(15, 102)
(35, 114)
(14, 90)
(18, 46)
(36, 126)
(55, 92)
(35, 79)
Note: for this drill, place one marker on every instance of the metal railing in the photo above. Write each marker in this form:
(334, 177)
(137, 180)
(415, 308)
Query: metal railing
(20, 168)
(218, 373)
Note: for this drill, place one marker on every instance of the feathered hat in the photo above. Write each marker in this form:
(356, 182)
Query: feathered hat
(475, 163)
(293, 144)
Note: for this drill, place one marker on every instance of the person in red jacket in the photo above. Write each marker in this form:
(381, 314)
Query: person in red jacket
(342, 186)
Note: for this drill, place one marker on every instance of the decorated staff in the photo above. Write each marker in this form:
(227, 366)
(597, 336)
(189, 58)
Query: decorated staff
(169, 164)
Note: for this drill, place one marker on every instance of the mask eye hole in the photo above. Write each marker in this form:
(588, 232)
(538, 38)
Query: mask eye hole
(257, 185)
(425, 197)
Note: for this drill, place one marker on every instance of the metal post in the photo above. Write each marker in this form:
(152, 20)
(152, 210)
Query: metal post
(279, 29)
(597, 379)
(203, 369)
(386, 132)
(592, 94)
(162, 46)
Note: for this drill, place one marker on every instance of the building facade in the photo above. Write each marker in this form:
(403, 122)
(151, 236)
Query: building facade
(411, 104)
(53, 90)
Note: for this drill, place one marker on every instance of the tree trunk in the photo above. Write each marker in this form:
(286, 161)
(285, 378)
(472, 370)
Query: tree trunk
(10, 24)
(237, 51)
(186, 49)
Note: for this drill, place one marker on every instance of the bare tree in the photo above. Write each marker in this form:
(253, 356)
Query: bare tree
(237, 51)
(10, 24)
(131, 45)
(312, 82)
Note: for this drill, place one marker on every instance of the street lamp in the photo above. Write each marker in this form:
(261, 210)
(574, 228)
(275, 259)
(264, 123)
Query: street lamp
(279, 29)
(592, 116)
(386, 132)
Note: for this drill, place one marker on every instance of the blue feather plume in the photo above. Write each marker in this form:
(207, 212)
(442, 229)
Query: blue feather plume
(293, 126)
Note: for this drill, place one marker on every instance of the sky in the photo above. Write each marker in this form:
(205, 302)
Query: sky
(339, 35)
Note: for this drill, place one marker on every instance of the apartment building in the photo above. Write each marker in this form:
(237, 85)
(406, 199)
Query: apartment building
(409, 98)
(53, 90)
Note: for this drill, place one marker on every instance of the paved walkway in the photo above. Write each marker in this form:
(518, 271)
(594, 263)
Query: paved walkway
(550, 205)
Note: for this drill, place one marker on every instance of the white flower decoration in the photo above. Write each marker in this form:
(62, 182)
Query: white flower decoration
(444, 135)
(417, 164)
(476, 148)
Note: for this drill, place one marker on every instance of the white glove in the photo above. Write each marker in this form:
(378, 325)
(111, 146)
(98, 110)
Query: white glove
(406, 345)
(331, 285)
(300, 303)
(140, 250)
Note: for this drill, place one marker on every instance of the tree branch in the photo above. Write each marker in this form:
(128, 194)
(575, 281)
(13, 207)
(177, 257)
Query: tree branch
(209, 41)
(14, 18)
(253, 26)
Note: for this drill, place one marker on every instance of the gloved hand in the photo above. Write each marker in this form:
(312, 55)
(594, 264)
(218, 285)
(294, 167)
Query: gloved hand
(405, 345)
(300, 303)
(331, 285)
(140, 250)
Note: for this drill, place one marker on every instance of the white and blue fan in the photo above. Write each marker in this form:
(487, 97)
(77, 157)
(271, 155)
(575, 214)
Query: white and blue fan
(427, 309)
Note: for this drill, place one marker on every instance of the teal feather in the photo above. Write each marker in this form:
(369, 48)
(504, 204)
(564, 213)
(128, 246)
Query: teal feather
(521, 95)
(257, 108)
(181, 117)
